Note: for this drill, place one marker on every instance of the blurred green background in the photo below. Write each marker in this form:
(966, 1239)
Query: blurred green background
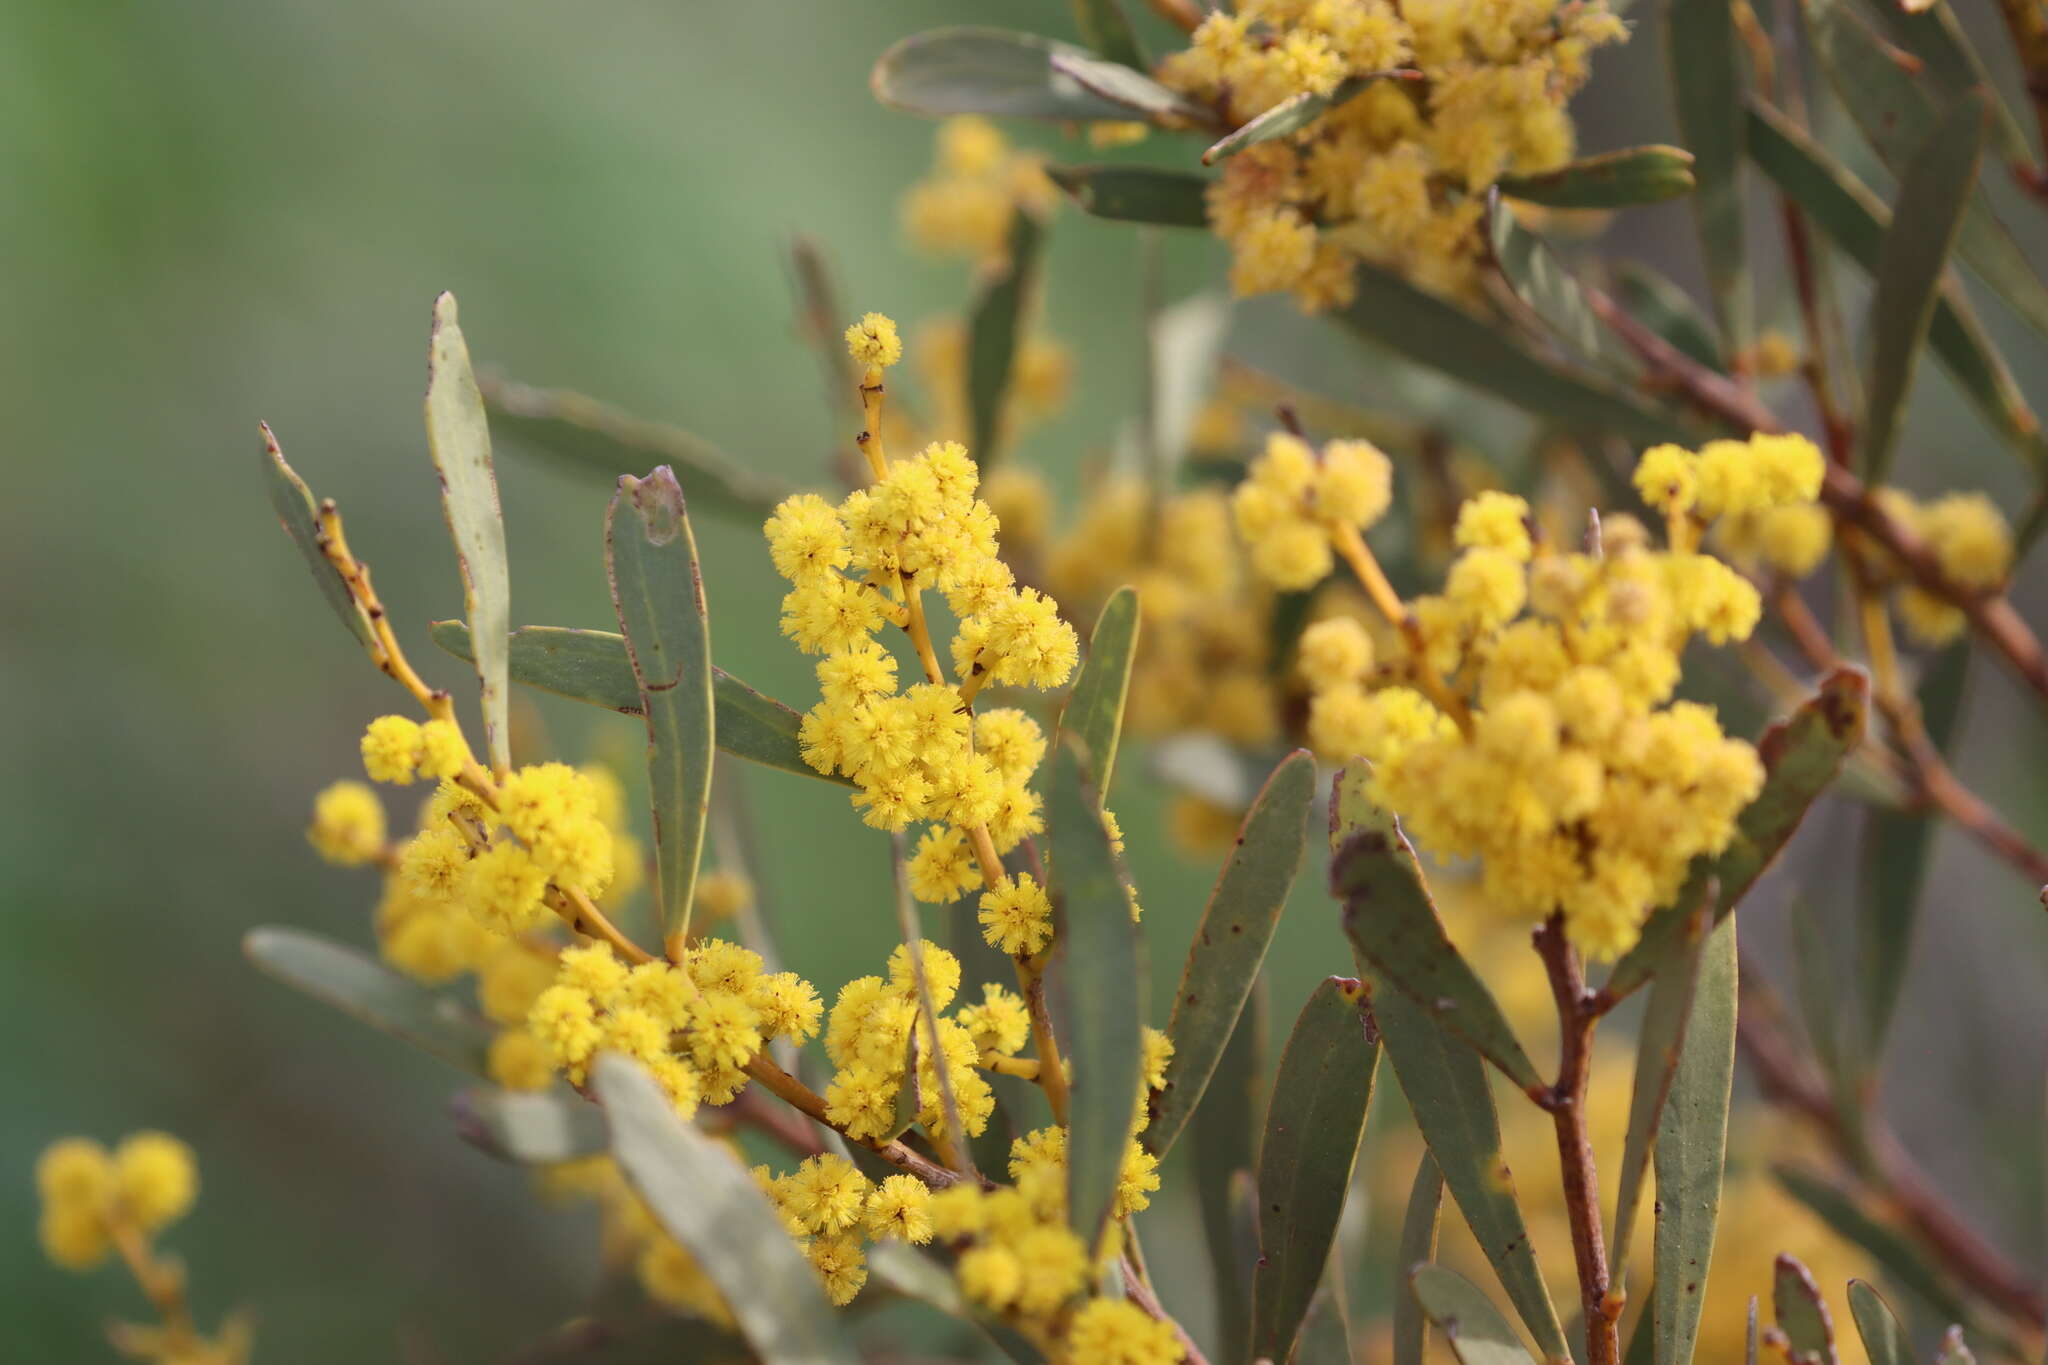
(217, 212)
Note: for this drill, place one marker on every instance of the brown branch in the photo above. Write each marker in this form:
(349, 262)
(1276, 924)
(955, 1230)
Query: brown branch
(1929, 781)
(795, 1093)
(1890, 1173)
(1577, 1017)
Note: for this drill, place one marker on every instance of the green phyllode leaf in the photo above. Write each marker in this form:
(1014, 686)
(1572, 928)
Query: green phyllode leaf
(1884, 1340)
(531, 1128)
(1659, 304)
(1612, 180)
(1691, 1149)
(651, 561)
(298, 514)
(460, 440)
(704, 1198)
(1105, 994)
(1295, 113)
(1896, 115)
(1223, 1141)
(1418, 1248)
(1136, 194)
(1445, 1082)
(1478, 1334)
(1107, 29)
(1896, 844)
(1857, 222)
(1231, 941)
(1801, 755)
(1933, 191)
(1442, 336)
(1313, 1125)
(362, 987)
(592, 666)
(1950, 61)
(995, 331)
(1541, 280)
(974, 70)
(1392, 923)
(1802, 1312)
(1706, 88)
(1094, 709)
(1659, 1044)
(596, 436)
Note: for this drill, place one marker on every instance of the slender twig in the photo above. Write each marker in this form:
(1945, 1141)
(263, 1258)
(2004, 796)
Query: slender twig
(1890, 1172)
(951, 1141)
(1141, 1294)
(1577, 1018)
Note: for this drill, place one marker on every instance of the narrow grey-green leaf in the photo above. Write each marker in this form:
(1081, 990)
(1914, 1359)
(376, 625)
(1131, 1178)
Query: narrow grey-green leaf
(1611, 180)
(1932, 33)
(1105, 994)
(1392, 922)
(1230, 942)
(1447, 1089)
(995, 331)
(1223, 1142)
(1816, 960)
(1478, 1334)
(651, 562)
(1884, 1340)
(973, 70)
(1896, 1254)
(592, 666)
(1802, 1312)
(1136, 91)
(1136, 194)
(1659, 1042)
(1106, 28)
(531, 1127)
(917, 1275)
(1325, 1337)
(704, 1198)
(1642, 1341)
(460, 439)
(1692, 1147)
(1449, 1094)
(1313, 1124)
(1801, 755)
(1540, 280)
(1856, 221)
(1933, 191)
(1705, 69)
(1295, 113)
(1442, 336)
(596, 436)
(299, 515)
(1896, 115)
(1418, 1248)
(362, 987)
(1094, 711)
(1896, 844)
(1659, 304)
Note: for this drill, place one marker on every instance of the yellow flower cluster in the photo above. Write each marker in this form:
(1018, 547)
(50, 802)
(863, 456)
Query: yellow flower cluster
(1395, 172)
(832, 1211)
(1292, 501)
(695, 1027)
(964, 207)
(1972, 543)
(1019, 1258)
(546, 824)
(89, 1193)
(920, 753)
(1582, 788)
(868, 1040)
